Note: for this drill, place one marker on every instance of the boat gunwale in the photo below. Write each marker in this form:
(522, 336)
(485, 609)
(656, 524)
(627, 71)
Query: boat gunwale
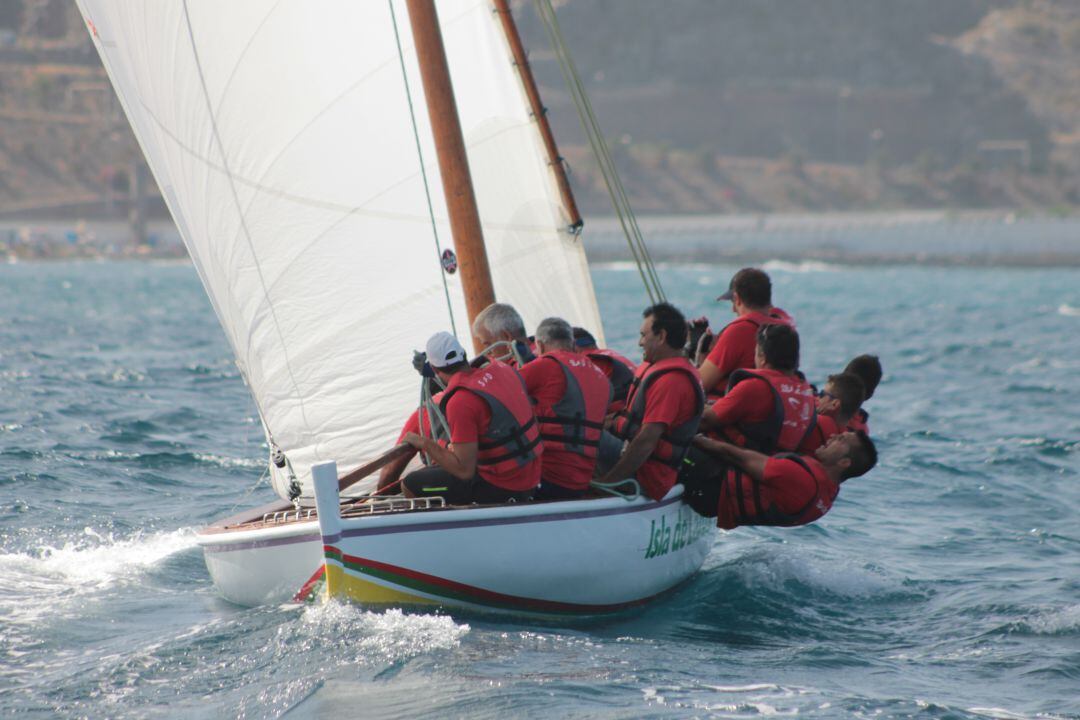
(217, 538)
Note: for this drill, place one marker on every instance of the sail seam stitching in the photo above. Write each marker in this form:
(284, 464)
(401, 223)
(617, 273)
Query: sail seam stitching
(243, 221)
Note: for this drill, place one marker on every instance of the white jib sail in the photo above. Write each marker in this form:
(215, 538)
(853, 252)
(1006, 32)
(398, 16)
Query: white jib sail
(281, 136)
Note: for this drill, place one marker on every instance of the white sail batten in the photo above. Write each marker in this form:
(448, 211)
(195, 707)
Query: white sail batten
(281, 136)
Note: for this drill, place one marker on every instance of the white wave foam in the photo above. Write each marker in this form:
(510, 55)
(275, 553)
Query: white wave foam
(786, 564)
(48, 580)
(803, 266)
(1026, 366)
(1068, 310)
(756, 687)
(652, 695)
(732, 700)
(1003, 714)
(1057, 621)
(618, 266)
(390, 636)
(228, 462)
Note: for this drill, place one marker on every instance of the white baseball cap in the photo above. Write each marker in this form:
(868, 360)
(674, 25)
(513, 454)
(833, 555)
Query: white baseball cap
(444, 349)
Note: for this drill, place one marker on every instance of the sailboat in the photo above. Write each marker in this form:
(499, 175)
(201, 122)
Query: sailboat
(350, 178)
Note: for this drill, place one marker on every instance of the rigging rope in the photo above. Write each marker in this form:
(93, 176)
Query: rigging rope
(611, 488)
(591, 126)
(423, 169)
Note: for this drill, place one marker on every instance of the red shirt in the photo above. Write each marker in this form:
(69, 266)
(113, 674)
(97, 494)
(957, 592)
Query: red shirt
(824, 429)
(751, 401)
(412, 425)
(606, 363)
(735, 345)
(546, 383)
(607, 366)
(469, 416)
(859, 421)
(671, 401)
(785, 485)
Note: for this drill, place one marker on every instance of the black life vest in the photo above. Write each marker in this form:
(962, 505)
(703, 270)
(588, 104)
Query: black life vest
(621, 377)
(771, 515)
(512, 437)
(792, 417)
(575, 421)
(673, 444)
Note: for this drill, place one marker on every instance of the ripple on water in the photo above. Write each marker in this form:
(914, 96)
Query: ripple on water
(753, 597)
(278, 658)
(942, 585)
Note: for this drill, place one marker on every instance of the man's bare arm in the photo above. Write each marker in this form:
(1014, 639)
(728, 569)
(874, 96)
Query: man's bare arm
(458, 460)
(709, 420)
(391, 473)
(636, 453)
(749, 461)
(710, 375)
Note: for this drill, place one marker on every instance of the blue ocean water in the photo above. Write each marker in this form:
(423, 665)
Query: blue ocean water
(944, 585)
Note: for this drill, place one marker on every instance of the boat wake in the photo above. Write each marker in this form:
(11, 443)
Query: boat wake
(382, 637)
(782, 569)
(48, 579)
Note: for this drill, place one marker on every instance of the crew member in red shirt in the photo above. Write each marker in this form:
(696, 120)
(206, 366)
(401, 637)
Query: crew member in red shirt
(618, 368)
(494, 450)
(837, 403)
(751, 488)
(570, 396)
(663, 407)
(420, 424)
(868, 368)
(750, 293)
(769, 409)
(501, 331)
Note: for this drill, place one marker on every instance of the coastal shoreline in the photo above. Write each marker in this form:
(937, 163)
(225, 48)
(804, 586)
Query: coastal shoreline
(948, 238)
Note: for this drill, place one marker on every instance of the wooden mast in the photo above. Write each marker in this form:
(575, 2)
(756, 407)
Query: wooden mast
(521, 60)
(453, 162)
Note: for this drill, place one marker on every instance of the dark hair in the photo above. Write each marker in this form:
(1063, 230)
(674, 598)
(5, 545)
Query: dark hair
(849, 390)
(780, 345)
(753, 286)
(667, 317)
(457, 367)
(583, 338)
(868, 368)
(863, 456)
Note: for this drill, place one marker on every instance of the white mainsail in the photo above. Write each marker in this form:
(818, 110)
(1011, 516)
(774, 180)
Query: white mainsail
(287, 137)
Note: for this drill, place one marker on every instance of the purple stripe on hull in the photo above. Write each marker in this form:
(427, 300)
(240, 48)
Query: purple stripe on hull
(254, 544)
(446, 525)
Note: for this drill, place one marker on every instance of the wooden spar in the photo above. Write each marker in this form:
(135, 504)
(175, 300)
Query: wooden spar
(521, 60)
(364, 470)
(453, 162)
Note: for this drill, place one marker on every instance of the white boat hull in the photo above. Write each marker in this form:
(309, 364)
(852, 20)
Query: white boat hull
(583, 557)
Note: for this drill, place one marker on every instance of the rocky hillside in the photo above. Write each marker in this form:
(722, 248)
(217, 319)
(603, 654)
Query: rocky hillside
(836, 104)
(708, 105)
(1034, 48)
(65, 146)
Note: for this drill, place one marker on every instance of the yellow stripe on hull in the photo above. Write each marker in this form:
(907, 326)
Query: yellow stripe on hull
(346, 586)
